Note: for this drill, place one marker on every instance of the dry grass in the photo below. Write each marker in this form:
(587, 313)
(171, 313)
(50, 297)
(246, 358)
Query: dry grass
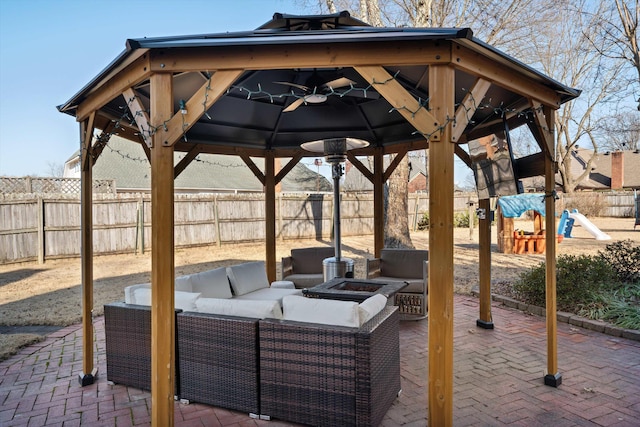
(50, 294)
(11, 343)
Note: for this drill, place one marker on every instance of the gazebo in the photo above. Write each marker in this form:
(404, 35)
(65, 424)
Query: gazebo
(262, 93)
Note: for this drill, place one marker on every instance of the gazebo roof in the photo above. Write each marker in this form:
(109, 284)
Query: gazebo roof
(252, 114)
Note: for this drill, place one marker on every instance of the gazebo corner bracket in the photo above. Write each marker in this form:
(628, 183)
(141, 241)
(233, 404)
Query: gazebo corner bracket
(468, 107)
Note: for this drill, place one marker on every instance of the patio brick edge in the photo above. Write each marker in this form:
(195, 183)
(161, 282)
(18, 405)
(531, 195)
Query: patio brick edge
(570, 318)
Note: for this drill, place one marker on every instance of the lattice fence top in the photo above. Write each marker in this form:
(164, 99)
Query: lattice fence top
(29, 185)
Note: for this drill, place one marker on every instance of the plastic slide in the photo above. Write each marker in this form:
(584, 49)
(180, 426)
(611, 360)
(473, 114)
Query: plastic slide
(588, 225)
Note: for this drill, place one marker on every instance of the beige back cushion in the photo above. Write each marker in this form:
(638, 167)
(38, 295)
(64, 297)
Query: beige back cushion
(211, 283)
(309, 260)
(248, 277)
(403, 263)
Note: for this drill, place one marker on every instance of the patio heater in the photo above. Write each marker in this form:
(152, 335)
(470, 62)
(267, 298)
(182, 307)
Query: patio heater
(335, 153)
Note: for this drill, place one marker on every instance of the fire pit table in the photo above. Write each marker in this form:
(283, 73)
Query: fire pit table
(347, 289)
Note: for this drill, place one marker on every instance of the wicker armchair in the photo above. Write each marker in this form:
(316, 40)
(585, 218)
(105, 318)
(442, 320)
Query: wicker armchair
(304, 266)
(404, 265)
(219, 360)
(330, 375)
(128, 345)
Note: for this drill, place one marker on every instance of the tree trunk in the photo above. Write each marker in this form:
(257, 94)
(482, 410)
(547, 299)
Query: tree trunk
(396, 219)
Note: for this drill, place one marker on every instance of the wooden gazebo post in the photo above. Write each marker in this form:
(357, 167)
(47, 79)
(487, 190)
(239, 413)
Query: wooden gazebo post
(440, 330)
(553, 377)
(484, 242)
(378, 201)
(86, 249)
(162, 255)
(270, 214)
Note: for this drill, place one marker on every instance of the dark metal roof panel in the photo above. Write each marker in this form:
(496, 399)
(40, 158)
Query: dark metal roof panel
(567, 93)
(277, 37)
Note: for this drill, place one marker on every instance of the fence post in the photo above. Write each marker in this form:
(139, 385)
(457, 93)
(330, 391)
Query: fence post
(280, 220)
(40, 207)
(415, 214)
(216, 220)
(472, 212)
(140, 227)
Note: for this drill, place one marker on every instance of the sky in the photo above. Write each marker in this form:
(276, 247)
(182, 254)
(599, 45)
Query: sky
(50, 49)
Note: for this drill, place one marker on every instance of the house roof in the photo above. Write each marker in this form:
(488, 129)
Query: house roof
(127, 164)
(252, 114)
(600, 176)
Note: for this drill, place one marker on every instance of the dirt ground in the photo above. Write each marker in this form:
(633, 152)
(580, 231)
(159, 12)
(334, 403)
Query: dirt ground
(50, 294)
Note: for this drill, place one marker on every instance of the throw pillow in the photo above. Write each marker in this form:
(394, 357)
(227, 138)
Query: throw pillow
(370, 307)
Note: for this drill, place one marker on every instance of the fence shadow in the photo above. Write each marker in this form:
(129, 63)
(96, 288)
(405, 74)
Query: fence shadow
(17, 275)
(62, 307)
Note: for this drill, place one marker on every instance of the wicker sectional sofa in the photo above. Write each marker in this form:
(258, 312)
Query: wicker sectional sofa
(296, 367)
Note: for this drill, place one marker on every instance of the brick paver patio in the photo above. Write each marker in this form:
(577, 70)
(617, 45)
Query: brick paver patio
(498, 380)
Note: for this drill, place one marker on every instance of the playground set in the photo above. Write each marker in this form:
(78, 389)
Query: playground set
(513, 241)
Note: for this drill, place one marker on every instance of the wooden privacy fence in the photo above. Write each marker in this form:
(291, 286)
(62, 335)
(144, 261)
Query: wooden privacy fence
(40, 228)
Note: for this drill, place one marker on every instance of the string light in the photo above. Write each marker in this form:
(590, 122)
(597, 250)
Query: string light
(146, 134)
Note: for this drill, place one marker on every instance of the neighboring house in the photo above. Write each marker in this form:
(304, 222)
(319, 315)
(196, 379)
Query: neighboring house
(617, 170)
(126, 163)
(417, 177)
(355, 181)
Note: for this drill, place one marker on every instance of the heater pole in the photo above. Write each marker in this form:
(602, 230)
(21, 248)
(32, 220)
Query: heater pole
(337, 173)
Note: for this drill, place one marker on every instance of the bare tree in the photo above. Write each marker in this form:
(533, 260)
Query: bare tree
(576, 63)
(616, 37)
(622, 132)
(55, 170)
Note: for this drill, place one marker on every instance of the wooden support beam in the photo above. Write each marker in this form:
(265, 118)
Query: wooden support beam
(86, 250)
(145, 148)
(415, 113)
(302, 55)
(162, 258)
(270, 215)
(186, 161)
(86, 137)
(553, 377)
(361, 167)
(440, 328)
(254, 168)
(484, 242)
(288, 167)
(515, 119)
(378, 202)
(544, 134)
(126, 76)
(482, 66)
(139, 114)
(199, 103)
(463, 155)
(468, 107)
(394, 164)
